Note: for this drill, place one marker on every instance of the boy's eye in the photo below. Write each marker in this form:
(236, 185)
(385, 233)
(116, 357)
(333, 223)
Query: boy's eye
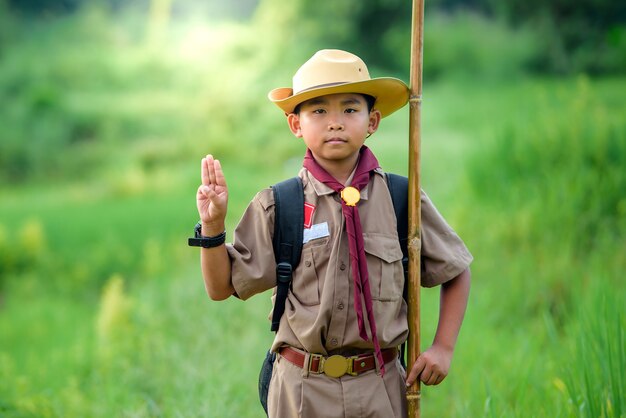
(351, 110)
(319, 111)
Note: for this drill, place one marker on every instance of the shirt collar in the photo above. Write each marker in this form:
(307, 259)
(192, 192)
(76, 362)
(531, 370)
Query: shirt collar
(321, 189)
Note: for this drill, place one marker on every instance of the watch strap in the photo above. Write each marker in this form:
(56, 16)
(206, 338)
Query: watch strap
(205, 242)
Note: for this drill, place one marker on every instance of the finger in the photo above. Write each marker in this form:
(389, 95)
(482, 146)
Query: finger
(211, 166)
(203, 191)
(432, 379)
(426, 374)
(205, 172)
(219, 174)
(440, 379)
(418, 367)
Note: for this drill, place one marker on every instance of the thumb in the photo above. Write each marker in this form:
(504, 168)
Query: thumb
(204, 194)
(203, 190)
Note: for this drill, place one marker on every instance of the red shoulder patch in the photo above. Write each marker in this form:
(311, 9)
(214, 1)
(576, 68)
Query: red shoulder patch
(308, 214)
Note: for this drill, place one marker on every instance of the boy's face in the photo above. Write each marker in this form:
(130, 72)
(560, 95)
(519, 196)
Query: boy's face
(335, 126)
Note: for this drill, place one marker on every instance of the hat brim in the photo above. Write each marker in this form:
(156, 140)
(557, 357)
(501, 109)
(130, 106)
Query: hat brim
(391, 94)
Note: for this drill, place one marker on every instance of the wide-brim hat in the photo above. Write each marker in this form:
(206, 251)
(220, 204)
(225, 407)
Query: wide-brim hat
(332, 71)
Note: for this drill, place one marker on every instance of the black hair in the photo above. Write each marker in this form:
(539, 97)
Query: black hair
(370, 100)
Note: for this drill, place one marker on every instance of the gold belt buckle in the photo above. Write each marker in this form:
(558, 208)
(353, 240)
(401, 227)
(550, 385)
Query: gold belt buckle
(337, 366)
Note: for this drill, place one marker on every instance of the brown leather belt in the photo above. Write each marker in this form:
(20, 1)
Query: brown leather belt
(336, 366)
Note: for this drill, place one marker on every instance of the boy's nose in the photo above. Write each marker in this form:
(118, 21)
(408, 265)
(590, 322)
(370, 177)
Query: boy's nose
(335, 126)
(335, 123)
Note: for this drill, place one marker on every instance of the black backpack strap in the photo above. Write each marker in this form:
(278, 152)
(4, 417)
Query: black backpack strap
(287, 241)
(399, 190)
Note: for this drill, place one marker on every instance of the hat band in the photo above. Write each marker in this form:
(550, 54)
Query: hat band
(319, 86)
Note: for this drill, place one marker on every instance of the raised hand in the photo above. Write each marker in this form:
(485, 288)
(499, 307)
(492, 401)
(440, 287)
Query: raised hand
(212, 197)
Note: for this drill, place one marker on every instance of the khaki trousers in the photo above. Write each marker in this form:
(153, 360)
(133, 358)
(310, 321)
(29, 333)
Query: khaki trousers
(295, 393)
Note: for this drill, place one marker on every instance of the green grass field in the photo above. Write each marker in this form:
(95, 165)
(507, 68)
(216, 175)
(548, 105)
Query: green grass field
(102, 306)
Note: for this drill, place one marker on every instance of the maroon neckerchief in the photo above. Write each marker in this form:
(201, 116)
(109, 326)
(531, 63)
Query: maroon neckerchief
(367, 163)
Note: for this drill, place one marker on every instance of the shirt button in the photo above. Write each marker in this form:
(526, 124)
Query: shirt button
(307, 263)
(334, 342)
(342, 267)
(340, 305)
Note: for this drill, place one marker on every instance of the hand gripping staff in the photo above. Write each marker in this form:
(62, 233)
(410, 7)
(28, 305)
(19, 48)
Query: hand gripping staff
(414, 237)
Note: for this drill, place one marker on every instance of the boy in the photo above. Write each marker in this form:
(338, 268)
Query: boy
(346, 295)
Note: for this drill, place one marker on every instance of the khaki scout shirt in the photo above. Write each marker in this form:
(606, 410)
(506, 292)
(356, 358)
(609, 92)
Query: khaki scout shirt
(319, 311)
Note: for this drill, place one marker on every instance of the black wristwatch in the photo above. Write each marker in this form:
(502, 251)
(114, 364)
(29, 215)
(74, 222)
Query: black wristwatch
(205, 242)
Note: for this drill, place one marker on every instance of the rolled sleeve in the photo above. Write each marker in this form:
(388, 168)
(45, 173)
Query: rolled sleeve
(253, 268)
(444, 255)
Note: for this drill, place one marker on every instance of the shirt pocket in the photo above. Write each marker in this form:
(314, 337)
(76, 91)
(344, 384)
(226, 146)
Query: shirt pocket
(384, 265)
(307, 282)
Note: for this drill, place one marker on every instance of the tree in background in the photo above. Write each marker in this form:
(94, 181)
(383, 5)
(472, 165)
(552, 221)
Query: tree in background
(577, 35)
(581, 35)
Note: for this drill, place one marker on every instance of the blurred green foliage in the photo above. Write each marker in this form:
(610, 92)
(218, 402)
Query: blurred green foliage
(81, 86)
(551, 186)
(577, 35)
(21, 251)
(581, 35)
(600, 340)
(565, 171)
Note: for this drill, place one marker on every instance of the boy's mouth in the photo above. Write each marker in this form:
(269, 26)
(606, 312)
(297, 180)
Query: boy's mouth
(336, 141)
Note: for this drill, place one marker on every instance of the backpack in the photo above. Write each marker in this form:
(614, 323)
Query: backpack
(287, 243)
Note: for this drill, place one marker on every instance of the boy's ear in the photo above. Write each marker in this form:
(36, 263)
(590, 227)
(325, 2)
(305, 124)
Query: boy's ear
(374, 121)
(294, 124)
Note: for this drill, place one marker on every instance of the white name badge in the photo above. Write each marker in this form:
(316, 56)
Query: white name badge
(314, 232)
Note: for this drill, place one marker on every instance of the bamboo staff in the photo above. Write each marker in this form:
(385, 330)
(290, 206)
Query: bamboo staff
(414, 237)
